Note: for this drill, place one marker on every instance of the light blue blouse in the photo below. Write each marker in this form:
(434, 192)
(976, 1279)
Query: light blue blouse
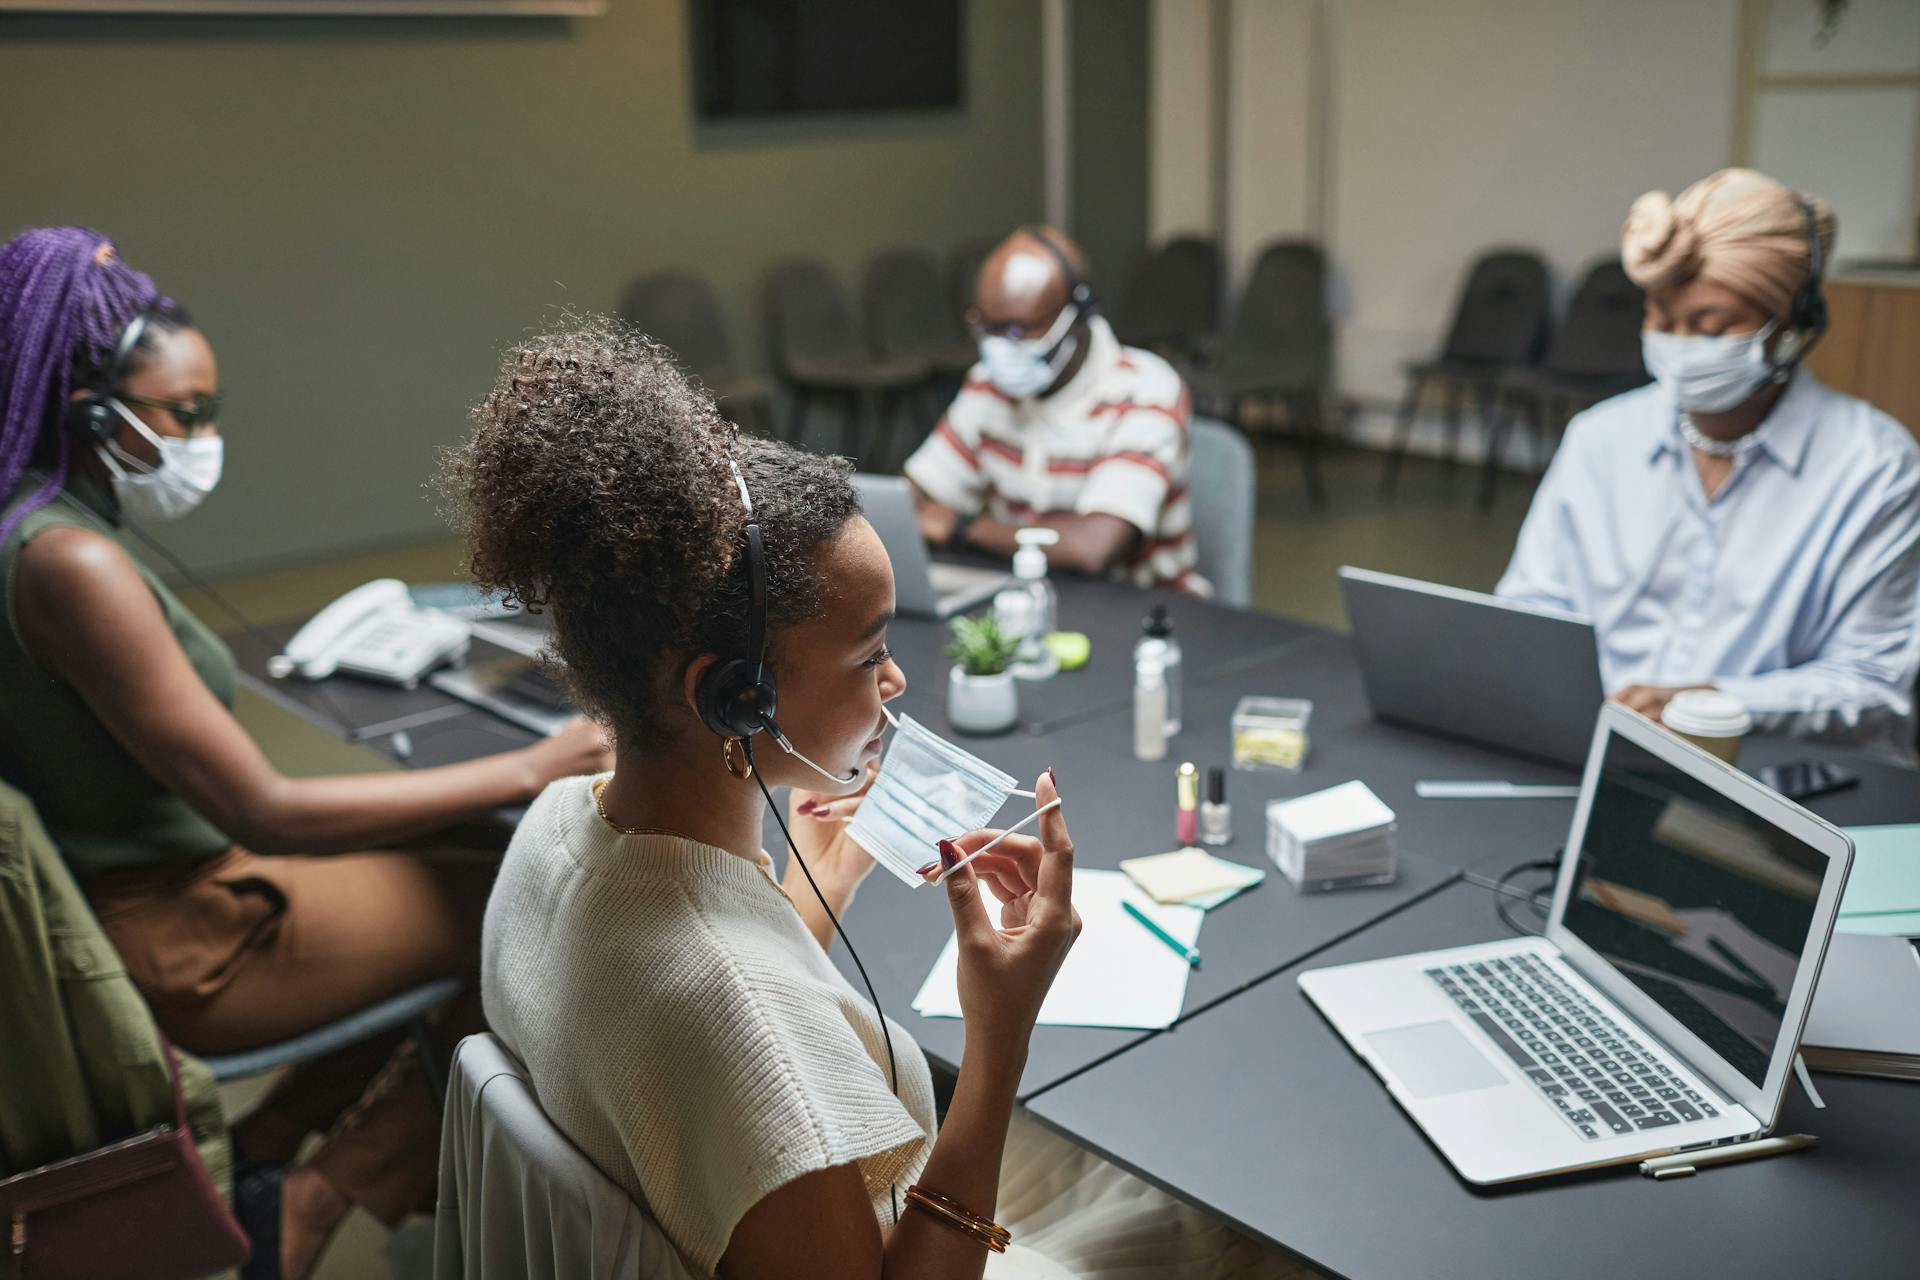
(1794, 588)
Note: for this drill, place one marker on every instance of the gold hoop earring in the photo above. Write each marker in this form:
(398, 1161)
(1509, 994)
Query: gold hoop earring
(738, 770)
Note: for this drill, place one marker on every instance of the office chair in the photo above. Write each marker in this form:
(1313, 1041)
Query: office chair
(1221, 477)
(517, 1199)
(678, 311)
(1499, 323)
(817, 351)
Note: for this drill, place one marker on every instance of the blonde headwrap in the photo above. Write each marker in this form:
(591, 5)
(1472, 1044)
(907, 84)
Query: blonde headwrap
(1737, 228)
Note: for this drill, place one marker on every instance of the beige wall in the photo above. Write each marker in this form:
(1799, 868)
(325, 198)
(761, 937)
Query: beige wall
(362, 211)
(1486, 122)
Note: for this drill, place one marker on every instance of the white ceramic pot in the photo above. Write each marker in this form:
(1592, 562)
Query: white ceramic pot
(982, 704)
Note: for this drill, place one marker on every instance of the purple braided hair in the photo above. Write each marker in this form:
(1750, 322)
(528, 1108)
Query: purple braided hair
(65, 300)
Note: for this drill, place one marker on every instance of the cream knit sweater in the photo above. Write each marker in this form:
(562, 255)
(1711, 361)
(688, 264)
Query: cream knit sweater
(682, 1026)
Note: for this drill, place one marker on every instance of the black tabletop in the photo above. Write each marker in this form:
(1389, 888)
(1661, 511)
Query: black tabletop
(1257, 1110)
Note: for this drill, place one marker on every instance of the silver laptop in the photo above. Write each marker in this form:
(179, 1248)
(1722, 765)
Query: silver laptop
(1473, 666)
(1662, 1007)
(922, 589)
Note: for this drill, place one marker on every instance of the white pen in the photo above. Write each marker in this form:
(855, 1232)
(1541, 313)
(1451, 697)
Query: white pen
(1682, 1164)
(1431, 789)
(1051, 804)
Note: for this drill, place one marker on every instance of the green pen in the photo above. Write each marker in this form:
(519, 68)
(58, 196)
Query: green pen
(1186, 952)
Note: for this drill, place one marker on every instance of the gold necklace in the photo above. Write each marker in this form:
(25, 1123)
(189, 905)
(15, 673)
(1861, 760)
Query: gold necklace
(600, 804)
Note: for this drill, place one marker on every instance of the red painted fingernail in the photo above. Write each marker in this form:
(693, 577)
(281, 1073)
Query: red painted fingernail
(808, 805)
(1050, 778)
(927, 870)
(949, 854)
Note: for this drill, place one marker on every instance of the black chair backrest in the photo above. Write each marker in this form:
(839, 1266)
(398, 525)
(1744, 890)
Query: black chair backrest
(808, 316)
(963, 271)
(1173, 295)
(1600, 337)
(1280, 324)
(1501, 318)
(677, 310)
(908, 307)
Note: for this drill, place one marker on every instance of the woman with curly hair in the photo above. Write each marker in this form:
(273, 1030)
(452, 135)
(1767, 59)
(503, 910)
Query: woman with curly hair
(204, 863)
(671, 996)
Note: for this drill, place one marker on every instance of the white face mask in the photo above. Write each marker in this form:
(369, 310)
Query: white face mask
(1709, 375)
(188, 471)
(1024, 367)
(928, 790)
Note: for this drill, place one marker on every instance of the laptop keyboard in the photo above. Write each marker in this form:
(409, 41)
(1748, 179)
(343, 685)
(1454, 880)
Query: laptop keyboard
(1597, 1074)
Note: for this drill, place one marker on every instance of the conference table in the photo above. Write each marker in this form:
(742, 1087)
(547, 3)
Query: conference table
(1249, 1105)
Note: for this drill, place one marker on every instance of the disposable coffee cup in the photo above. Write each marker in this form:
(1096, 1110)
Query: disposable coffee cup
(1709, 719)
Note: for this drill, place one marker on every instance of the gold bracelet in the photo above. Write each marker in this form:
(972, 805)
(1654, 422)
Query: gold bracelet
(960, 1218)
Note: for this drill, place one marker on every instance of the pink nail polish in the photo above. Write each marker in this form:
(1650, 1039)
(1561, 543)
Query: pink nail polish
(808, 806)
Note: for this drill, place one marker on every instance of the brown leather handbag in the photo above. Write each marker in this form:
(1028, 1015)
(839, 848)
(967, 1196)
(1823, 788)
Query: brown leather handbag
(145, 1207)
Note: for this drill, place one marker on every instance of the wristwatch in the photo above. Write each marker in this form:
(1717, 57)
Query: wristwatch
(957, 536)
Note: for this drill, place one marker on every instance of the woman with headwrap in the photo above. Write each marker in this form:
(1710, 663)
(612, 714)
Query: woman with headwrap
(1736, 524)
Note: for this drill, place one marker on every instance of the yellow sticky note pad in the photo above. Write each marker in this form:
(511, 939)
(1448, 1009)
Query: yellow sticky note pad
(1183, 874)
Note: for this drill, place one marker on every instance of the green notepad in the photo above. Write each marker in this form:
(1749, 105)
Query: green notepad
(1883, 890)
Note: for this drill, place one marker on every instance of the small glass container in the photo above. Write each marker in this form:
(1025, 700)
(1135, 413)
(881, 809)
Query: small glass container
(1271, 733)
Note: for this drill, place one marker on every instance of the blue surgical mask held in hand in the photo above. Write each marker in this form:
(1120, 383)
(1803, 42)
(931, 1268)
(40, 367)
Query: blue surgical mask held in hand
(1024, 367)
(928, 790)
(1709, 375)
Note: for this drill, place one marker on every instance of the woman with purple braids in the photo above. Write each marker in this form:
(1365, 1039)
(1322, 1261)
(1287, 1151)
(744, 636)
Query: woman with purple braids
(248, 906)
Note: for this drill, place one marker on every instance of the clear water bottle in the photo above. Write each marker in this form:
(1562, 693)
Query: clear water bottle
(1029, 609)
(1156, 640)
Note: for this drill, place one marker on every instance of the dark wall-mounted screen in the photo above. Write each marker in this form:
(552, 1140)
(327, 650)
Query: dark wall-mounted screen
(771, 58)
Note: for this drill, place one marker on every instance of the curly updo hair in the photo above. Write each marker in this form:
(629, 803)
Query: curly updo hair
(595, 487)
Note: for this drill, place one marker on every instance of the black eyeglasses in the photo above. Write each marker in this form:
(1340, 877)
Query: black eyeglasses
(201, 411)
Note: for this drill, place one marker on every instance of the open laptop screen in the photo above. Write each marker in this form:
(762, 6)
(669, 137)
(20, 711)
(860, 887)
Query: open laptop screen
(1702, 904)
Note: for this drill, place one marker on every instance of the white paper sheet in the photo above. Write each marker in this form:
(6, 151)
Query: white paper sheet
(1117, 975)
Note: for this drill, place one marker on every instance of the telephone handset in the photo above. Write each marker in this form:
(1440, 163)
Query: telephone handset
(375, 631)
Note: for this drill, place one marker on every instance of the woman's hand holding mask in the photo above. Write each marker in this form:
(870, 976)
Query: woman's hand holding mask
(818, 823)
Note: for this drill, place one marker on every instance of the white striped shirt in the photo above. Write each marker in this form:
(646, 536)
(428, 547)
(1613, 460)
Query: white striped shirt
(1114, 440)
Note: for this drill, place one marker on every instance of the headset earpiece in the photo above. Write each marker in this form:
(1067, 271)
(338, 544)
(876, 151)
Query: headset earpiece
(1807, 314)
(92, 417)
(1079, 292)
(93, 414)
(734, 699)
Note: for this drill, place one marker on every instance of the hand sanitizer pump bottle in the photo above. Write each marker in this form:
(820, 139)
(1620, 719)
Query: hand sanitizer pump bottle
(1029, 608)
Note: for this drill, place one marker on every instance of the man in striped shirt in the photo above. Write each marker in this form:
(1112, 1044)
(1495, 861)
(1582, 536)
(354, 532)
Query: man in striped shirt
(1059, 425)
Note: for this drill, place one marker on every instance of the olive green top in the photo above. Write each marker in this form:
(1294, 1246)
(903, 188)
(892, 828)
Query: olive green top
(103, 809)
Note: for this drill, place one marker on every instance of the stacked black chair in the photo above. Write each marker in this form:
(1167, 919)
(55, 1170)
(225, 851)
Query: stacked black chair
(678, 311)
(1171, 303)
(818, 352)
(1499, 325)
(963, 271)
(910, 313)
(1278, 351)
(1594, 355)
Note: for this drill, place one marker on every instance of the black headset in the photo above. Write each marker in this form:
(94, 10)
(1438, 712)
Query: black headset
(93, 414)
(1807, 316)
(735, 696)
(1079, 292)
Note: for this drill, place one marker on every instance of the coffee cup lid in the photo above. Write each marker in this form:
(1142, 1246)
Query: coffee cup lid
(1707, 713)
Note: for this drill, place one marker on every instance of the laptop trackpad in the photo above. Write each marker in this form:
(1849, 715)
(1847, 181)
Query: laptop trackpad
(1433, 1058)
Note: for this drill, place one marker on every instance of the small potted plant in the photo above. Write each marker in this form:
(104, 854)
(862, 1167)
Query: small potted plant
(981, 695)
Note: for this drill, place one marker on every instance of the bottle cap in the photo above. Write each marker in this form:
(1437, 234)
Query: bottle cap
(1157, 624)
(1030, 561)
(1216, 785)
(1186, 786)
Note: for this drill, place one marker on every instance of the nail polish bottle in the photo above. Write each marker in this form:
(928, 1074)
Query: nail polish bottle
(1186, 793)
(1216, 815)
